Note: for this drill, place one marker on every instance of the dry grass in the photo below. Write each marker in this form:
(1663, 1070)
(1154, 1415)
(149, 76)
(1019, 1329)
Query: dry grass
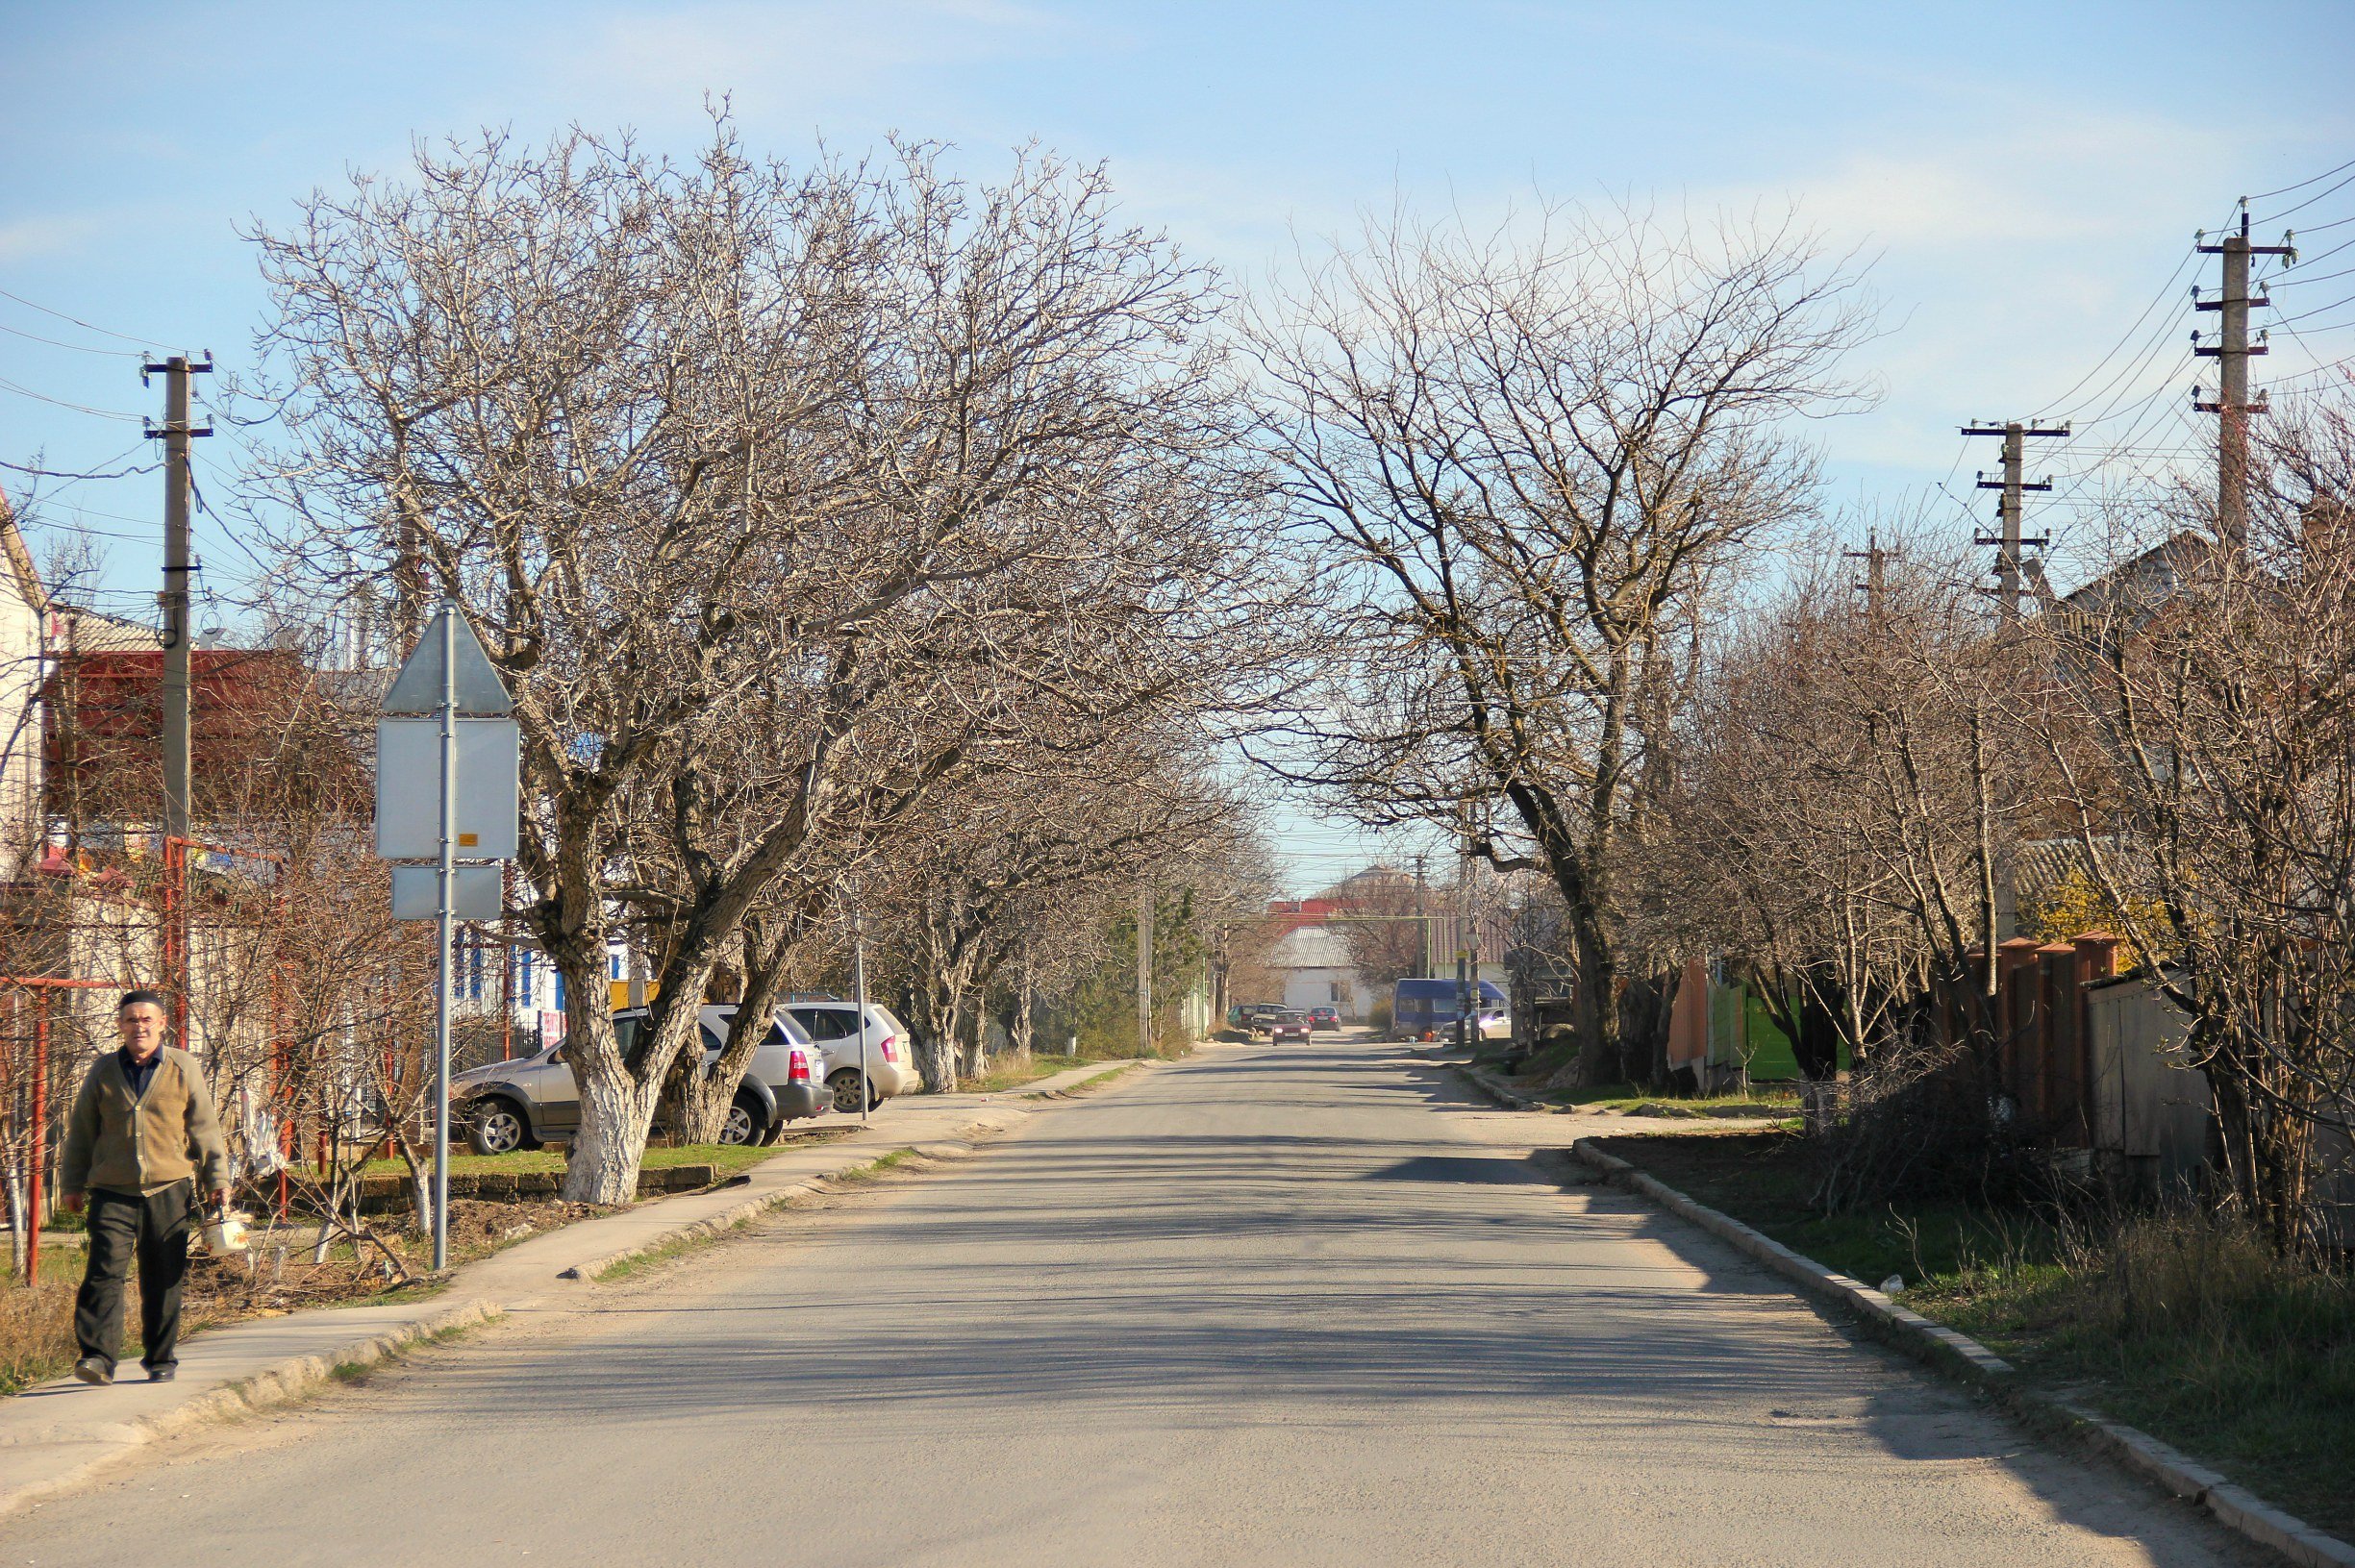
(2180, 1323)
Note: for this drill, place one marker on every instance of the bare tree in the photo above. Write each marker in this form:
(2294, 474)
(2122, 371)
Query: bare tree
(780, 498)
(1530, 457)
(2201, 714)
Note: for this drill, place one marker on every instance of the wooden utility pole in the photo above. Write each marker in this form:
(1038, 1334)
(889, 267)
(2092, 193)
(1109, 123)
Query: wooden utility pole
(2009, 540)
(178, 496)
(2231, 351)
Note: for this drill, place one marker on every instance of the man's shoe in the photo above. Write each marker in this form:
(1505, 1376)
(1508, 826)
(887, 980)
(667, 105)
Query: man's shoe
(91, 1369)
(161, 1374)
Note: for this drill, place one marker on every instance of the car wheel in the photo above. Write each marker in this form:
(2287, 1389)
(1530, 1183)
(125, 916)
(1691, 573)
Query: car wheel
(845, 1086)
(746, 1121)
(497, 1126)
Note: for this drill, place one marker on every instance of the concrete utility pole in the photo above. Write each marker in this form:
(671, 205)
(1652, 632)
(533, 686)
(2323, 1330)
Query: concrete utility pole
(1144, 968)
(2231, 351)
(2008, 542)
(1875, 586)
(1422, 924)
(179, 491)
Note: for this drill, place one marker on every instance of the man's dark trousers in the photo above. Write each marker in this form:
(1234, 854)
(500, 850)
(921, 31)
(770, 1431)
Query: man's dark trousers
(155, 1230)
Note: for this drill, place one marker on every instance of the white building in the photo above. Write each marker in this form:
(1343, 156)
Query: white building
(1313, 961)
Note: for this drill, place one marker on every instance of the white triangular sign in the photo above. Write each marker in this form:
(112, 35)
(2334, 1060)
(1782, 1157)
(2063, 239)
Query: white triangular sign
(417, 689)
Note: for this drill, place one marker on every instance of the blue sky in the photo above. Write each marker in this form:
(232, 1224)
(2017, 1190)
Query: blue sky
(2026, 178)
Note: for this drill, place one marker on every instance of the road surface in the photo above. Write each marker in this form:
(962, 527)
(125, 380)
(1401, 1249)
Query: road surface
(1268, 1305)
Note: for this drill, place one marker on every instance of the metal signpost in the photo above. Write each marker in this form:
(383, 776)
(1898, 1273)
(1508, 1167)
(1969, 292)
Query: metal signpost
(446, 793)
(857, 965)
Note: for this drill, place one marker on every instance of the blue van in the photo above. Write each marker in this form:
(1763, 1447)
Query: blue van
(1425, 1007)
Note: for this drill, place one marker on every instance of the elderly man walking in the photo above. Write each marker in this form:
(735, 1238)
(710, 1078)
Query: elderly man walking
(143, 1140)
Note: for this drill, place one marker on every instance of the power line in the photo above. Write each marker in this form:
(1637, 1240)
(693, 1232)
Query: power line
(76, 479)
(79, 407)
(85, 326)
(77, 348)
(2311, 200)
(2157, 299)
(2268, 196)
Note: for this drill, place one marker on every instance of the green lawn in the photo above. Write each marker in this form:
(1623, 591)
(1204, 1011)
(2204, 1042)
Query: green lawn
(2177, 1325)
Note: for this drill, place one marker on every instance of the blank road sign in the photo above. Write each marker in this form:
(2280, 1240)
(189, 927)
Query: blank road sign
(409, 789)
(474, 892)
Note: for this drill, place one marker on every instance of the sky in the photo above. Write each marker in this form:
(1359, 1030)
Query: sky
(2023, 181)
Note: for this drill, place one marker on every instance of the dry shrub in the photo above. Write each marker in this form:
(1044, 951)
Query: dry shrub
(1916, 1126)
(37, 1325)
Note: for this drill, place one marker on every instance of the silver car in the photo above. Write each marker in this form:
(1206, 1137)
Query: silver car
(534, 1100)
(834, 1026)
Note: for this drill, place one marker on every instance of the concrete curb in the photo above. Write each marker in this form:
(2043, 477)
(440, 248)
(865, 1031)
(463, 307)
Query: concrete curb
(282, 1384)
(2238, 1509)
(1498, 1090)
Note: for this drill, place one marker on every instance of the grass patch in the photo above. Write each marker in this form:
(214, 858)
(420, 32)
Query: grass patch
(875, 1167)
(680, 1246)
(726, 1158)
(1013, 1073)
(2178, 1324)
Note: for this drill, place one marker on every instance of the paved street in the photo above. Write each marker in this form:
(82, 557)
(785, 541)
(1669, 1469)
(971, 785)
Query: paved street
(1262, 1307)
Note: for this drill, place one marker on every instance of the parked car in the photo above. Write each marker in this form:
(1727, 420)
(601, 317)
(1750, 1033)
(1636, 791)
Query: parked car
(506, 1105)
(1288, 1026)
(833, 1025)
(1325, 1017)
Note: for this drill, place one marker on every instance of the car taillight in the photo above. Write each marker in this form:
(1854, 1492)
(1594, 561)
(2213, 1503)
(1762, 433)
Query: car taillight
(799, 1071)
(891, 1048)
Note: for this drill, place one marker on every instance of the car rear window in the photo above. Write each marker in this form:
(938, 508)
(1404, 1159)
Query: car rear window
(826, 1023)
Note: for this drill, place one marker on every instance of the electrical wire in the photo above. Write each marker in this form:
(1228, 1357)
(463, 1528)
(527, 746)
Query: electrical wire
(2157, 299)
(76, 479)
(2268, 196)
(79, 407)
(77, 348)
(2308, 202)
(2303, 316)
(85, 326)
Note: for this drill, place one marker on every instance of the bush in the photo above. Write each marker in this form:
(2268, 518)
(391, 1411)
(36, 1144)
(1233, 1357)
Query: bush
(1378, 1017)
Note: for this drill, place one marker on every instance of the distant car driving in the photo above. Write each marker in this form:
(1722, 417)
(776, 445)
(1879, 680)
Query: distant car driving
(1325, 1017)
(1288, 1026)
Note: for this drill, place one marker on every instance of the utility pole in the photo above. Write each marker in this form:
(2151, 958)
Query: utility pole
(1875, 586)
(1144, 969)
(1463, 973)
(2231, 351)
(2008, 542)
(1422, 924)
(177, 430)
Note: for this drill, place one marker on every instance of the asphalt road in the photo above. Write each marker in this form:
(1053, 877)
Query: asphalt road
(1264, 1307)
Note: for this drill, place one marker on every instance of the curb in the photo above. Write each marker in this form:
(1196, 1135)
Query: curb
(2234, 1507)
(281, 1383)
(1496, 1089)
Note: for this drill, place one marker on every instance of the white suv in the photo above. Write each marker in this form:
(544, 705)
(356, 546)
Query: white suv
(833, 1027)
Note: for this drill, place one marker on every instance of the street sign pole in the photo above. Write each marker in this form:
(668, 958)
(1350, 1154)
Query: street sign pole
(447, 811)
(443, 927)
(858, 965)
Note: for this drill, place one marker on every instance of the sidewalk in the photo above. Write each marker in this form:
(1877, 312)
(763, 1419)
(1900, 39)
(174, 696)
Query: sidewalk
(56, 1434)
